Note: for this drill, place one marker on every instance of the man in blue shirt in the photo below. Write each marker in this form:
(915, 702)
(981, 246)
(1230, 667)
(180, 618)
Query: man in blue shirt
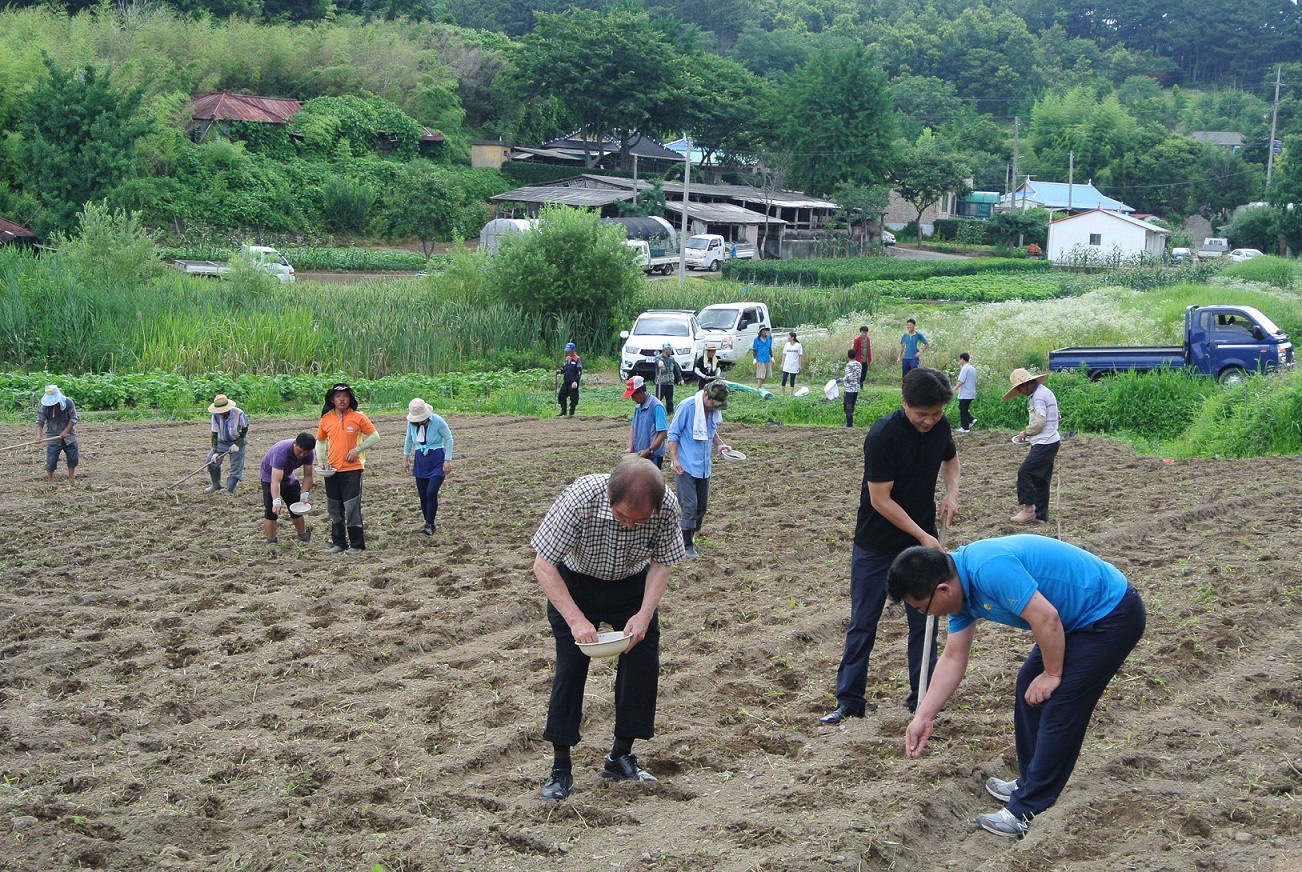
(646, 435)
(1085, 617)
(693, 431)
(912, 343)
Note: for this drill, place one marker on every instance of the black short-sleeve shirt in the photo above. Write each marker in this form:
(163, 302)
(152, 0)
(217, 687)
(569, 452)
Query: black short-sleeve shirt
(894, 451)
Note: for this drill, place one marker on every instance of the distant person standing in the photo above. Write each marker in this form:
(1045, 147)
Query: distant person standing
(863, 349)
(342, 436)
(762, 347)
(708, 365)
(56, 425)
(229, 429)
(692, 434)
(427, 455)
(967, 380)
(1036, 471)
(851, 383)
(650, 427)
(792, 354)
(668, 374)
(903, 455)
(280, 487)
(571, 372)
(912, 343)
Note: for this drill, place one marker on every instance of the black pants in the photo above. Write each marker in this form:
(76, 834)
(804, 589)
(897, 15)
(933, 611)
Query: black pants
(567, 392)
(965, 418)
(636, 676)
(851, 397)
(344, 500)
(1033, 478)
(665, 393)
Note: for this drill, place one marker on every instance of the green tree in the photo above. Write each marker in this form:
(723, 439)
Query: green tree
(837, 122)
(926, 171)
(1257, 227)
(430, 203)
(1021, 227)
(1286, 192)
(1078, 124)
(79, 141)
(725, 106)
(570, 264)
(109, 245)
(613, 71)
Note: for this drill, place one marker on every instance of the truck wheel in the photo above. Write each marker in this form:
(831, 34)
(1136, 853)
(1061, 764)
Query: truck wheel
(714, 266)
(1232, 376)
(666, 270)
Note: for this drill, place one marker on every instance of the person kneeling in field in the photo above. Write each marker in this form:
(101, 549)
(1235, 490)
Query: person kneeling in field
(604, 552)
(280, 487)
(1085, 617)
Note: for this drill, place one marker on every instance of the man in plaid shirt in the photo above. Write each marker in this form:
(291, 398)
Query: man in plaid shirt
(604, 552)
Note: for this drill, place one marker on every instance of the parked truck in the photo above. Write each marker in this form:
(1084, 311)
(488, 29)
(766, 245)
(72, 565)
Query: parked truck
(647, 339)
(262, 256)
(1226, 342)
(710, 250)
(653, 260)
(734, 326)
(1214, 246)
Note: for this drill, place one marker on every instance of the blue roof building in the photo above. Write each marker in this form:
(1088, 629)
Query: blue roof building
(1060, 197)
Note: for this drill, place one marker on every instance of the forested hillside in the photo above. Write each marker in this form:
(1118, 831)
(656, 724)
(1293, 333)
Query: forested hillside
(840, 98)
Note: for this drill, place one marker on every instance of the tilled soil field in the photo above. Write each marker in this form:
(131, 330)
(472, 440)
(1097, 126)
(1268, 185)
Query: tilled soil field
(175, 695)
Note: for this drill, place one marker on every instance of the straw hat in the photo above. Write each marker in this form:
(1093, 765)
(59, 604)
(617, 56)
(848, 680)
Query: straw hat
(418, 410)
(711, 346)
(221, 403)
(1019, 377)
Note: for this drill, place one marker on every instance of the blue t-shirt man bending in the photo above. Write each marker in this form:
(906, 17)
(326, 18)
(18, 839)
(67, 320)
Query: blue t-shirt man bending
(1085, 617)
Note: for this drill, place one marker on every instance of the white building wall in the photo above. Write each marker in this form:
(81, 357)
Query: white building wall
(1102, 235)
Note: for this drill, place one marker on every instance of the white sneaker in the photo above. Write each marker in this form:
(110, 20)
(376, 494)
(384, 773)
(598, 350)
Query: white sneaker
(1001, 790)
(1002, 823)
(963, 432)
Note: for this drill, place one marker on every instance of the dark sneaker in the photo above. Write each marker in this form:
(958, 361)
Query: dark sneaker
(427, 530)
(840, 713)
(558, 786)
(691, 552)
(354, 551)
(626, 769)
(305, 536)
(1001, 790)
(1002, 823)
(273, 541)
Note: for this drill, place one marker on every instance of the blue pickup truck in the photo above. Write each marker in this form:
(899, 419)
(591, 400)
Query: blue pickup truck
(1226, 342)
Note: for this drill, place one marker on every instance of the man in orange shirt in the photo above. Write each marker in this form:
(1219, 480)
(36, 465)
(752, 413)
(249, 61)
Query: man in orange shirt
(342, 437)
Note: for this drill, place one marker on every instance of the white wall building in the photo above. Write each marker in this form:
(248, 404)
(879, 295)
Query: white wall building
(1099, 237)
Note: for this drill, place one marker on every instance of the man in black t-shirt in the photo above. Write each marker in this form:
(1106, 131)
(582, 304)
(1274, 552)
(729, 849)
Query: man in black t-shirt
(903, 455)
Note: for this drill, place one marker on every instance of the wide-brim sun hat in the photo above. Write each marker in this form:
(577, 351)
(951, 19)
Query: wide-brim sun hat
(52, 396)
(221, 403)
(418, 410)
(1019, 377)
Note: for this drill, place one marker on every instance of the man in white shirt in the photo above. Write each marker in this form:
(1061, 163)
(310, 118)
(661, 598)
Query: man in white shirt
(966, 393)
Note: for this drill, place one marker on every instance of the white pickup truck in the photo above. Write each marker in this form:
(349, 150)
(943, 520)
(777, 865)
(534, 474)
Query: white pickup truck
(709, 250)
(1214, 246)
(647, 339)
(734, 327)
(262, 256)
(652, 263)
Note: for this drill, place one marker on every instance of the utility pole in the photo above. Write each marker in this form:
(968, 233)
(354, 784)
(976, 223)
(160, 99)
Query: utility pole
(1274, 118)
(1016, 129)
(682, 233)
(1071, 172)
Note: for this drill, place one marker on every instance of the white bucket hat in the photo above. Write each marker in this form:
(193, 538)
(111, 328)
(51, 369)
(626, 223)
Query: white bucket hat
(418, 410)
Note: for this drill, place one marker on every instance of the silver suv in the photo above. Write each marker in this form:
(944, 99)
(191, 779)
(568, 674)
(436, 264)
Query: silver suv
(650, 332)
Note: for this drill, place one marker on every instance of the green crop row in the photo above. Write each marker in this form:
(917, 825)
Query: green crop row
(843, 272)
(330, 259)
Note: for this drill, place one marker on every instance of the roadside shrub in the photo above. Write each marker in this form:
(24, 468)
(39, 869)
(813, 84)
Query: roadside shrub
(109, 245)
(346, 204)
(1268, 270)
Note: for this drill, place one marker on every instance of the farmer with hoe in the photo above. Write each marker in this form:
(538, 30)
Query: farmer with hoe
(280, 487)
(903, 454)
(56, 426)
(693, 431)
(668, 374)
(1036, 471)
(427, 455)
(1085, 618)
(343, 435)
(230, 430)
(570, 372)
(647, 432)
(604, 552)
(912, 343)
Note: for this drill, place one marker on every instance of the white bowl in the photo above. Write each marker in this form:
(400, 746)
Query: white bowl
(607, 645)
(733, 454)
(300, 507)
(803, 392)
(1018, 440)
(325, 471)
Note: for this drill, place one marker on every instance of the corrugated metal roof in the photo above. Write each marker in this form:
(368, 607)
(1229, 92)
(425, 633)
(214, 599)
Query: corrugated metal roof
(645, 146)
(225, 106)
(721, 213)
(9, 231)
(747, 194)
(1111, 214)
(1056, 195)
(585, 197)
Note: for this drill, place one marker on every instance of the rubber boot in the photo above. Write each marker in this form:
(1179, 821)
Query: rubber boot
(230, 485)
(215, 473)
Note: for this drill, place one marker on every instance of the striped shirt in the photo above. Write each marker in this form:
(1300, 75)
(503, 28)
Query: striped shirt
(581, 532)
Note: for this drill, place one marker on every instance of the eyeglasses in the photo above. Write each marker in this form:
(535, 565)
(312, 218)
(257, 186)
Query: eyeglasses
(927, 607)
